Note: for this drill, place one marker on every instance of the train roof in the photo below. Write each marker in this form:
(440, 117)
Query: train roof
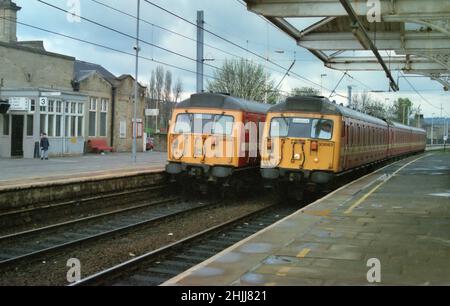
(322, 105)
(222, 101)
(405, 127)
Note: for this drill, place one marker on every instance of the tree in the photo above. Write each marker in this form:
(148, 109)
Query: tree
(168, 87)
(402, 110)
(152, 87)
(244, 79)
(305, 91)
(365, 103)
(177, 90)
(161, 97)
(159, 73)
(361, 101)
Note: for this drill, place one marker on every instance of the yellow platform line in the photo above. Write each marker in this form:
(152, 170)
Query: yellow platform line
(303, 253)
(367, 195)
(283, 271)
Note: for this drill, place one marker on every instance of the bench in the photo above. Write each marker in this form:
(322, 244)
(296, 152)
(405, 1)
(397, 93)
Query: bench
(99, 146)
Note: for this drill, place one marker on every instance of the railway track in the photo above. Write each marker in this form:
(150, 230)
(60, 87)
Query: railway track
(31, 244)
(30, 215)
(158, 266)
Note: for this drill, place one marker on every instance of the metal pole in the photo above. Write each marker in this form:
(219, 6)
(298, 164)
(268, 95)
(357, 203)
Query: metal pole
(200, 50)
(136, 90)
(321, 83)
(350, 96)
(432, 130)
(446, 133)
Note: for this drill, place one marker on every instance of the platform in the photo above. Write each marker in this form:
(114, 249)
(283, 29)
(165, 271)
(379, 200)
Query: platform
(31, 172)
(399, 215)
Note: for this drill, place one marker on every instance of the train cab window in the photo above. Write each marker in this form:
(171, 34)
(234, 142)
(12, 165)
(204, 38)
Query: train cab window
(183, 124)
(222, 125)
(290, 127)
(322, 129)
(204, 124)
(301, 128)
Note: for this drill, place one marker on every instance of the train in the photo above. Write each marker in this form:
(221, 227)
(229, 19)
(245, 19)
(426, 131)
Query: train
(213, 143)
(312, 142)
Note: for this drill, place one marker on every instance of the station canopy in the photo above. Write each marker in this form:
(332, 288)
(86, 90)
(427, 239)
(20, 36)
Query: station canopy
(412, 36)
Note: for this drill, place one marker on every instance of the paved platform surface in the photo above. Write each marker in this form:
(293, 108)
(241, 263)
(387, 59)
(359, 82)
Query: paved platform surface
(22, 172)
(399, 215)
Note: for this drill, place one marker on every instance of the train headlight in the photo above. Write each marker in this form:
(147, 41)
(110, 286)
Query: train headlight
(297, 156)
(316, 160)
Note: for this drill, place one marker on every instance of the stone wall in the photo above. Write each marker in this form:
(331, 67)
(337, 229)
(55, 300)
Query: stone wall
(27, 67)
(12, 199)
(124, 112)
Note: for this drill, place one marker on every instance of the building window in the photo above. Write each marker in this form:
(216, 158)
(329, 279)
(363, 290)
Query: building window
(104, 105)
(93, 104)
(5, 125)
(73, 127)
(67, 126)
(103, 124)
(58, 107)
(58, 125)
(51, 106)
(93, 117)
(43, 126)
(30, 125)
(80, 108)
(73, 107)
(51, 122)
(32, 105)
(103, 117)
(92, 124)
(67, 107)
(80, 126)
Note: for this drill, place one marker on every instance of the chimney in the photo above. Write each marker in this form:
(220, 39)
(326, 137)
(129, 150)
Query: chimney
(8, 17)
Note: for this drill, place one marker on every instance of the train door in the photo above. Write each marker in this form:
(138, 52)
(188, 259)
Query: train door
(17, 135)
(346, 142)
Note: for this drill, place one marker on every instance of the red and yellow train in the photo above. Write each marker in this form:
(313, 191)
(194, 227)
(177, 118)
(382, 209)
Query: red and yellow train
(213, 140)
(311, 141)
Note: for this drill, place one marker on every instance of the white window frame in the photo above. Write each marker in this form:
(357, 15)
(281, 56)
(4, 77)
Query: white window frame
(93, 104)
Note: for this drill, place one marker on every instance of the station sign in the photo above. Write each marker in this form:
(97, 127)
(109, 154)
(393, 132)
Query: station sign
(152, 112)
(43, 101)
(51, 94)
(19, 104)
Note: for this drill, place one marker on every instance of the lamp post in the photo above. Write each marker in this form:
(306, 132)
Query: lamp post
(136, 84)
(432, 129)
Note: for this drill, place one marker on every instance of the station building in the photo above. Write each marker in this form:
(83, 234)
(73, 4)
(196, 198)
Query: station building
(70, 100)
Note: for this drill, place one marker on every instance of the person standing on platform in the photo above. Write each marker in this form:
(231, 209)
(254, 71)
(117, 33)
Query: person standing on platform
(45, 144)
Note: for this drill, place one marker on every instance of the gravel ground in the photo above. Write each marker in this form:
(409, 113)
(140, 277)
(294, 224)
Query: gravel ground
(99, 255)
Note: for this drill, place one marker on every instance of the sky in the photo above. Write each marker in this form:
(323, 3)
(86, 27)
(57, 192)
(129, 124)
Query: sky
(228, 19)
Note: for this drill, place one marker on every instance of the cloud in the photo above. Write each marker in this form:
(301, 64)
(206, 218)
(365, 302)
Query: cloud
(229, 19)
